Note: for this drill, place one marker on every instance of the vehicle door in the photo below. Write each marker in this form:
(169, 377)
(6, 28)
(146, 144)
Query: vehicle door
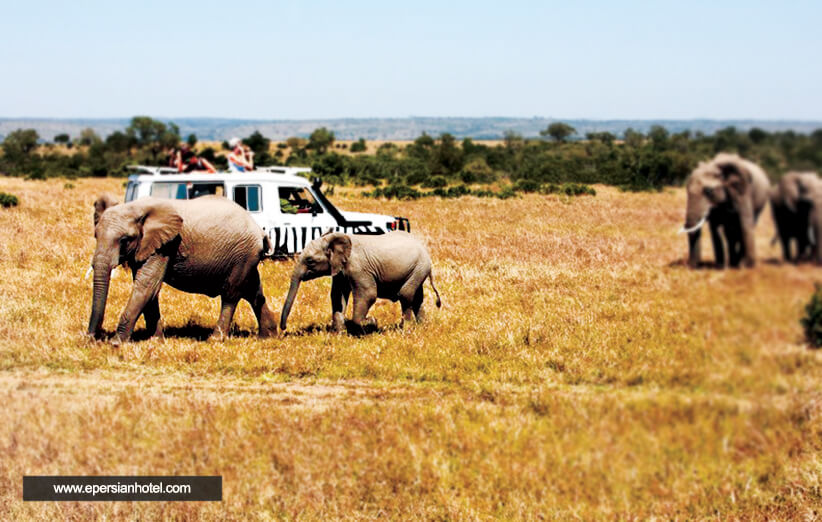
(301, 219)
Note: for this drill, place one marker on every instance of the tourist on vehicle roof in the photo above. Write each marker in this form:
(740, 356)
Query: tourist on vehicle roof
(241, 158)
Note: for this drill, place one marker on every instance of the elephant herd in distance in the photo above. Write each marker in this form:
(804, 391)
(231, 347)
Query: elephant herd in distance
(729, 193)
(211, 246)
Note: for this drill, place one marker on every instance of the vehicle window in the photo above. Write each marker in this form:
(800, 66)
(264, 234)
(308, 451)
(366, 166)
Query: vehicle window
(248, 197)
(130, 190)
(169, 190)
(195, 190)
(180, 190)
(298, 200)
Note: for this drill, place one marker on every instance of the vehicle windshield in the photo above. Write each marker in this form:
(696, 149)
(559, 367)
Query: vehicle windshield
(186, 190)
(298, 200)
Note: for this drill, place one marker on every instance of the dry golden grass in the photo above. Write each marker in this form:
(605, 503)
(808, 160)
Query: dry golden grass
(576, 369)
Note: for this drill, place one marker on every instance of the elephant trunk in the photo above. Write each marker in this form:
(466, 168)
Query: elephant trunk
(102, 277)
(696, 214)
(296, 278)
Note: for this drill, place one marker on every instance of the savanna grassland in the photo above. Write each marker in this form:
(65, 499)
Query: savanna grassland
(576, 369)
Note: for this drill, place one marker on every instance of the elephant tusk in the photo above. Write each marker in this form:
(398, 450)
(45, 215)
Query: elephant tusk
(91, 271)
(694, 228)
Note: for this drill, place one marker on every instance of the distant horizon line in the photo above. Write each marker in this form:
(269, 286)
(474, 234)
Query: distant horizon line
(413, 117)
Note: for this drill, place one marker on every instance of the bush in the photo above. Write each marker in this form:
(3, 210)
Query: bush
(451, 192)
(358, 146)
(395, 192)
(527, 185)
(568, 189)
(8, 200)
(477, 171)
(435, 182)
(812, 322)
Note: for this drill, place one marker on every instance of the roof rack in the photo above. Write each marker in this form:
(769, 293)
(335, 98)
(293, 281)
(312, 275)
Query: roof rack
(289, 171)
(145, 169)
(158, 171)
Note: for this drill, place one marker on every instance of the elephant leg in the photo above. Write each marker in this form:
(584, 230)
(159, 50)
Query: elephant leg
(151, 313)
(411, 296)
(419, 313)
(340, 292)
(147, 282)
(734, 252)
(816, 228)
(227, 307)
(363, 301)
(266, 321)
(733, 241)
(747, 224)
(719, 249)
(407, 310)
(694, 250)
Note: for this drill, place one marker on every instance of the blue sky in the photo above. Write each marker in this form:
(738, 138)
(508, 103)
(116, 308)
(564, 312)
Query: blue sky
(296, 60)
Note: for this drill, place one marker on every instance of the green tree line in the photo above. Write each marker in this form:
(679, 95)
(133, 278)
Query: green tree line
(633, 161)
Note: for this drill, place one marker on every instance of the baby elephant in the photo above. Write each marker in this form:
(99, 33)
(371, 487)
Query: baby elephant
(390, 266)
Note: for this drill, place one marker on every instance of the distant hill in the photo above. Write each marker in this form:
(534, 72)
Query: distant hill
(212, 129)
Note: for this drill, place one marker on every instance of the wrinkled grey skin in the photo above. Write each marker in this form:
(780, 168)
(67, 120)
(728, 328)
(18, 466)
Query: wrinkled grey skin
(730, 193)
(207, 245)
(390, 266)
(792, 204)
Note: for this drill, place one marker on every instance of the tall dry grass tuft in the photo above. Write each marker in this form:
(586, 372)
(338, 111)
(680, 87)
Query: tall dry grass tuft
(576, 369)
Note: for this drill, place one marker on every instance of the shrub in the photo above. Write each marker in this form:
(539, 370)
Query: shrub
(358, 146)
(451, 192)
(527, 185)
(812, 321)
(477, 171)
(435, 182)
(396, 191)
(568, 189)
(8, 200)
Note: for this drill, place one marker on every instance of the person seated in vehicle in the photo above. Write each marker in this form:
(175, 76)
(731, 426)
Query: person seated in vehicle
(241, 158)
(172, 156)
(188, 161)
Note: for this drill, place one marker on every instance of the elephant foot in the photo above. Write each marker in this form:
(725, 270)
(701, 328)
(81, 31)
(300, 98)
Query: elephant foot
(338, 323)
(217, 335)
(267, 331)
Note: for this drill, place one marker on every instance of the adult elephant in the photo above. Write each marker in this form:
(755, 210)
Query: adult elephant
(792, 203)
(728, 192)
(391, 266)
(208, 245)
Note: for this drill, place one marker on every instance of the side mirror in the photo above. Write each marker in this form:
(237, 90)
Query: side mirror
(317, 183)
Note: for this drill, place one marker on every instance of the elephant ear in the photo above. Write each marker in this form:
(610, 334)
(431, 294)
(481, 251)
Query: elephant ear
(338, 251)
(104, 202)
(736, 176)
(160, 223)
(804, 187)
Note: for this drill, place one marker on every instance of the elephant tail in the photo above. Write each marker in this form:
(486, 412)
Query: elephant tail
(437, 292)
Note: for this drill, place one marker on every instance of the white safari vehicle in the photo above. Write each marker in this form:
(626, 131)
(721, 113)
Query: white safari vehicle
(290, 209)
